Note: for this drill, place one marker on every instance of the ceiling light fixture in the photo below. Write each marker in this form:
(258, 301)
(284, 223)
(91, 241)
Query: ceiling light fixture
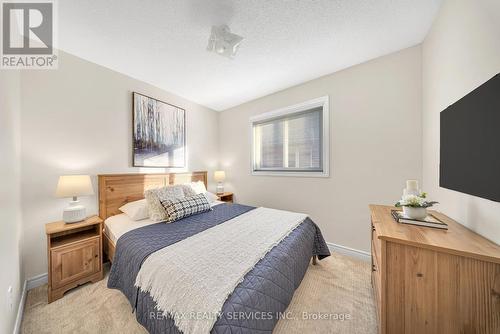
(223, 42)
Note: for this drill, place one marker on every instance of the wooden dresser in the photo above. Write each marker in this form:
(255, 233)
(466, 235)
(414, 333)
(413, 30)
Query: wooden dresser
(433, 281)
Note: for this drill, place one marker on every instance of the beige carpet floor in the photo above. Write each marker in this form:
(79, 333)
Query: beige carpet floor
(335, 296)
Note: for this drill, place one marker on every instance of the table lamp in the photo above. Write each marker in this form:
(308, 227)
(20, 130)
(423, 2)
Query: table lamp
(220, 176)
(74, 186)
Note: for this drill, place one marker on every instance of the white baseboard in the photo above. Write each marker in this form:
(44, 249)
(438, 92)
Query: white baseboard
(362, 255)
(29, 284)
(20, 309)
(36, 281)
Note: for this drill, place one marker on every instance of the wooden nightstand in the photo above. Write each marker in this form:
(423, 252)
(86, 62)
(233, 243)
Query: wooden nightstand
(226, 197)
(74, 254)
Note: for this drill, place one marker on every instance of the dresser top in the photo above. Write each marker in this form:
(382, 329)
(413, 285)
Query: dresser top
(457, 239)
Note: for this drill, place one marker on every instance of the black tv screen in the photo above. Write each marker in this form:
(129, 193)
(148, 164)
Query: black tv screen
(470, 143)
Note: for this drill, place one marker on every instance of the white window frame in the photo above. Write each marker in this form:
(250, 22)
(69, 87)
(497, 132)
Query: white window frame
(294, 109)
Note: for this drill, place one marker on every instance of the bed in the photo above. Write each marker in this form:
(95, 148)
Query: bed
(258, 300)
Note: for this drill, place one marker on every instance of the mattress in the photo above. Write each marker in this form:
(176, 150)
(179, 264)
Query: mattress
(118, 225)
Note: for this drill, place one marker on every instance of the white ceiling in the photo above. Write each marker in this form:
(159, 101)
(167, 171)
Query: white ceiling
(287, 42)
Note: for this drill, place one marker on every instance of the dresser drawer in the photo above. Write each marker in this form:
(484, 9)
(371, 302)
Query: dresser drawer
(376, 270)
(75, 261)
(377, 289)
(376, 244)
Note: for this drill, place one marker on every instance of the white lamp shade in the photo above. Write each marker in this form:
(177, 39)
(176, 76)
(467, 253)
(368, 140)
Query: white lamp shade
(219, 175)
(74, 185)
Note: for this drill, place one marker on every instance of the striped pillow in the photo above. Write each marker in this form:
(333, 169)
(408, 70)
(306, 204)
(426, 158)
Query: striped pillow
(183, 207)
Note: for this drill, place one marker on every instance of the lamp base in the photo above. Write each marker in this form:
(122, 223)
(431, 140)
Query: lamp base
(220, 188)
(74, 213)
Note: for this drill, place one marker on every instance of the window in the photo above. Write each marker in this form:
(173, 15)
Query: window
(292, 141)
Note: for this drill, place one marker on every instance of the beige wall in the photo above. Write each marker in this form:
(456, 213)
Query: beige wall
(375, 145)
(461, 52)
(10, 210)
(78, 119)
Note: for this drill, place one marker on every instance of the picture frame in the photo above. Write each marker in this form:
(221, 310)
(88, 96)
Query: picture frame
(158, 133)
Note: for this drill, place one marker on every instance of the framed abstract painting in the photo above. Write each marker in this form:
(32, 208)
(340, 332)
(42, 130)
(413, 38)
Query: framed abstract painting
(159, 133)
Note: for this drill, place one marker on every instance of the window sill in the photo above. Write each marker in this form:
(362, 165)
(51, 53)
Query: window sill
(291, 174)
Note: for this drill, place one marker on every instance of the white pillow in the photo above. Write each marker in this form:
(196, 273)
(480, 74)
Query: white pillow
(199, 188)
(136, 210)
(211, 197)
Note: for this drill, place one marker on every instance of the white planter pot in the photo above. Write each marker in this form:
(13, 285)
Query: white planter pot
(415, 213)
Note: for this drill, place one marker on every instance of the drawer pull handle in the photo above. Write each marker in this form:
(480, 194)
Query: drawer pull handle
(374, 268)
(96, 256)
(420, 275)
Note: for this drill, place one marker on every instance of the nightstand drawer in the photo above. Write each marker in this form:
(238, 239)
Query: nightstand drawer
(75, 261)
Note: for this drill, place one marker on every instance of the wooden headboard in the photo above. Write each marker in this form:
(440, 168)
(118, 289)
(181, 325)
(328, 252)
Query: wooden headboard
(116, 190)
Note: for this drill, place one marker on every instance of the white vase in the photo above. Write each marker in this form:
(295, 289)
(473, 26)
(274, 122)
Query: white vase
(415, 213)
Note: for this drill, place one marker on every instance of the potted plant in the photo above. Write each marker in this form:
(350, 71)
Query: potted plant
(415, 206)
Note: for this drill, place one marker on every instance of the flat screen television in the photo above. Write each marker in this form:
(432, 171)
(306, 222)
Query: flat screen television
(470, 143)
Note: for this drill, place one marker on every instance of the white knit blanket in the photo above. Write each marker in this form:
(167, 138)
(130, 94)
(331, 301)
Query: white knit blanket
(191, 279)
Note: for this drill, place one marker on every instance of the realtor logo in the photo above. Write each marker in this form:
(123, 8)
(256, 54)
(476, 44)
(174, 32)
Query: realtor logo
(28, 38)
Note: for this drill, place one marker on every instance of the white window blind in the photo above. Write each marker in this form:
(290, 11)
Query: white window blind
(291, 141)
